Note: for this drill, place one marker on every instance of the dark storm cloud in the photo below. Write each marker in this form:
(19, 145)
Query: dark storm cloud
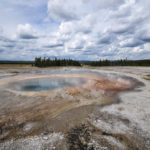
(105, 40)
(9, 45)
(5, 39)
(133, 43)
(123, 29)
(53, 45)
(27, 36)
(145, 38)
(108, 54)
(1, 50)
(90, 52)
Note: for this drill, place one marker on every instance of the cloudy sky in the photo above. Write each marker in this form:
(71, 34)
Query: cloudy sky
(77, 29)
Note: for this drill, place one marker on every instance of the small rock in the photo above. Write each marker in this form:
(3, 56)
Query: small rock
(1, 131)
(45, 138)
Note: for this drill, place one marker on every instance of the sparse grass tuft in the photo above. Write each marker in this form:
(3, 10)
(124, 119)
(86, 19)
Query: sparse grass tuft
(147, 77)
(15, 71)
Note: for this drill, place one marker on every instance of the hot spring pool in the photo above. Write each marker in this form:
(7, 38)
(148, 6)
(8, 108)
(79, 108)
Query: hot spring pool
(43, 84)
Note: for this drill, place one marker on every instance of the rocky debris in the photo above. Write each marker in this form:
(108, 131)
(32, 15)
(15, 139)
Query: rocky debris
(79, 137)
(1, 131)
(49, 142)
(118, 133)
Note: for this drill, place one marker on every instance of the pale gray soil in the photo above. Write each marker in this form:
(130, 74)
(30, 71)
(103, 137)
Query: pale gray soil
(80, 118)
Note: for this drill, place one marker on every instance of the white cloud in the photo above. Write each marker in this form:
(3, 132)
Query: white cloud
(104, 4)
(26, 32)
(81, 29)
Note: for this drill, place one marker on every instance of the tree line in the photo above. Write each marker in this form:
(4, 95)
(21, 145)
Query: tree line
(122, 62)
(47, 62)
(16, 62)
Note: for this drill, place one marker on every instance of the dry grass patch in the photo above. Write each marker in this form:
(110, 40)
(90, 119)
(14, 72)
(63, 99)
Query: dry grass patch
(147, 77)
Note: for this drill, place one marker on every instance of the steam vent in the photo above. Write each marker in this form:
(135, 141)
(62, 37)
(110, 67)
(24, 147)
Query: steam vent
(63, 109)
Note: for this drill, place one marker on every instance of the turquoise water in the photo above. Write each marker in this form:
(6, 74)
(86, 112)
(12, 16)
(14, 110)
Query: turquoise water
(43, 84)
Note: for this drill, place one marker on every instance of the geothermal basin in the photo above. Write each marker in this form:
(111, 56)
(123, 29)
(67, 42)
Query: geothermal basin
(45, 84)
(48, 108)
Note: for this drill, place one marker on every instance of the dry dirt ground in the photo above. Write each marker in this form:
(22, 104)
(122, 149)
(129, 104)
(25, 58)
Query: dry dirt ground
(109, 112)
